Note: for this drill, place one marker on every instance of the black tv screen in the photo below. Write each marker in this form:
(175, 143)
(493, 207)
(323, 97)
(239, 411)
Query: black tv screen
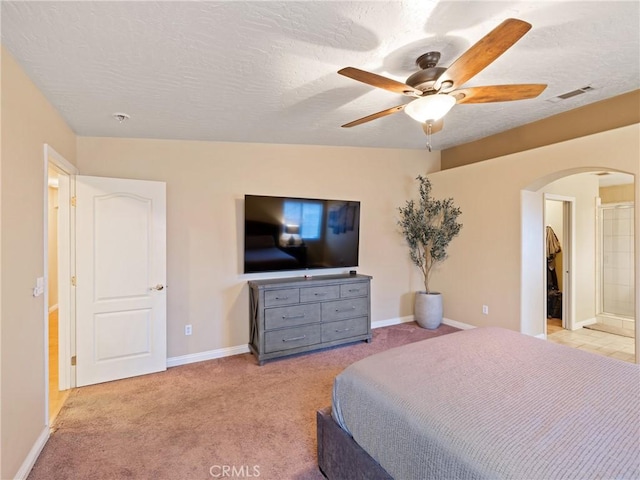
(284, 233)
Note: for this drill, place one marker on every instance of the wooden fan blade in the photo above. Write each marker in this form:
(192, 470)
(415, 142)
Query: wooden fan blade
(498, 93)
(488, 49)
(379, 81)
(435, 126)
(373, 116)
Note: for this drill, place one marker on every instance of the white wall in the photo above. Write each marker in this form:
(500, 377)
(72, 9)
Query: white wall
(553, 214)
(206, 184)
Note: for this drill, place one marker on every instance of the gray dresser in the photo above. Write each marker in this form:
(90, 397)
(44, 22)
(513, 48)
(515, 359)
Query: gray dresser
(295, 315)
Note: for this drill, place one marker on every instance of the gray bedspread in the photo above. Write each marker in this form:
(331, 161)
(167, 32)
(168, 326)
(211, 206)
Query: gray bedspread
(490, 403)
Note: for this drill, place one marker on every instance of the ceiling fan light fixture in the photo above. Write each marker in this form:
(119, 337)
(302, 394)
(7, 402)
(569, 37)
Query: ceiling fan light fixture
(431, 107)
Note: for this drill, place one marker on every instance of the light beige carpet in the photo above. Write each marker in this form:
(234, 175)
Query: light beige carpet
(198, 421)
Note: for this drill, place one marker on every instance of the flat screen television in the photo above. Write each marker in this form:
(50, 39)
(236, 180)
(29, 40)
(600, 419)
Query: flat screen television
(285, 233)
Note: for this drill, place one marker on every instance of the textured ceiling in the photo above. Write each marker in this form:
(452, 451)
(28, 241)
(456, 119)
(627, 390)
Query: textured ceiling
(266, 71)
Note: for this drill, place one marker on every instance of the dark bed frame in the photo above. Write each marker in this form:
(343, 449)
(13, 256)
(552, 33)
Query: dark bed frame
(340, 457)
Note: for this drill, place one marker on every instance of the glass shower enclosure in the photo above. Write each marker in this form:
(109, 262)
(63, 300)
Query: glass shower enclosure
(617, 276)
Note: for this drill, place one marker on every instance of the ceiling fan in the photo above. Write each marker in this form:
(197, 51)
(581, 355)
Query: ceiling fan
(437, 89)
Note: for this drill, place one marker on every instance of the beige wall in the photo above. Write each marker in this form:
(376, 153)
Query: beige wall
(28, 122)
(206, 184)
(617, 193)
(590, 119)
(487, 264)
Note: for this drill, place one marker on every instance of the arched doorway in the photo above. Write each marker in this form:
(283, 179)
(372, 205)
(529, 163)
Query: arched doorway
(590, 264)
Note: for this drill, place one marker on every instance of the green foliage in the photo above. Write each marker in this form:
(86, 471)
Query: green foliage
(428, 227)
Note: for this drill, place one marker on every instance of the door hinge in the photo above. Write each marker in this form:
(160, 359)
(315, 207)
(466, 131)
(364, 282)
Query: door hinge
(73, 201)
(73, 280)
(73, 361)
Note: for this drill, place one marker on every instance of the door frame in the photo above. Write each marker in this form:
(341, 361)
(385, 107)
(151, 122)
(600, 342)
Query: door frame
(66, 269)
(568, 260)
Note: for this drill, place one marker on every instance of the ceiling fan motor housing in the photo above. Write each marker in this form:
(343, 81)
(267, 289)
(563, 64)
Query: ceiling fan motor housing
(425, 79)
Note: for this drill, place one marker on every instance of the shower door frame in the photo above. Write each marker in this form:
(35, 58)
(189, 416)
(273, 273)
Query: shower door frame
(600, 256)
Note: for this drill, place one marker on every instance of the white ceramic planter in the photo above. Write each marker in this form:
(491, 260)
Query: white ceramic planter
(427, 310)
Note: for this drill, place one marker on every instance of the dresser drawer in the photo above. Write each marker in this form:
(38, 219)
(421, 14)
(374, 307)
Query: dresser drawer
(281, 297)
(344, 329)
(328, 292)
(354, 307)
(291, 316)
(354, 290)
(289, 338)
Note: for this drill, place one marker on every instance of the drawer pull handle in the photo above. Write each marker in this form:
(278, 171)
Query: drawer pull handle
(345, 309)
(290, 317)
(282, 298)
(343, 330)
(322, 294)
(352, 290)
(294, 339)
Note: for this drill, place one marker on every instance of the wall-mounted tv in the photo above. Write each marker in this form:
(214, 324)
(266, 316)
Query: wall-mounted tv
(285, 233)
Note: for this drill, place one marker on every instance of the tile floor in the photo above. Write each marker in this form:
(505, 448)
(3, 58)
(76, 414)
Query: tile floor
(602, 343)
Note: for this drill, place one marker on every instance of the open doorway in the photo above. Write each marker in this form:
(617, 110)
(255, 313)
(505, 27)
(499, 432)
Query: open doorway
(588, 282)
(558, 219)
(59, 302)
(588, 261)
(57, 396)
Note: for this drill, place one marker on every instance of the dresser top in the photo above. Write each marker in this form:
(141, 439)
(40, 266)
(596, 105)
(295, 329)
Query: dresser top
(312, 279)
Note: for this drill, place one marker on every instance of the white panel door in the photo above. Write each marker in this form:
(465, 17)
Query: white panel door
(120, 278)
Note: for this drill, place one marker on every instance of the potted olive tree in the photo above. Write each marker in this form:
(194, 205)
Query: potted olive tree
(428, 227)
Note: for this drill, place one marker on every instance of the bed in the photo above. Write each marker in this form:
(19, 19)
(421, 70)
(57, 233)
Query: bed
(486, 403)
(261, 252)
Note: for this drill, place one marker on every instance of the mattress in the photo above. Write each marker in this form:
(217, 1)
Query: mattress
(491, 403)
(260, 259)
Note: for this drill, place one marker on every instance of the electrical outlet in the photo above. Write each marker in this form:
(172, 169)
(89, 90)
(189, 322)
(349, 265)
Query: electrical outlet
(485, 309)
(187, 329)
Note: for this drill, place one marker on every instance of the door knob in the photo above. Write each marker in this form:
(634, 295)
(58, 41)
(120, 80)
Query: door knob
(157, 287)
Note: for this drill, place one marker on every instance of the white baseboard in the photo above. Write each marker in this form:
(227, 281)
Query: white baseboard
(229, 351)
(584, 323)
(409, 318)
(457, 324)
(53, 308)
(391, 321)
(33, 454)
(210, 355)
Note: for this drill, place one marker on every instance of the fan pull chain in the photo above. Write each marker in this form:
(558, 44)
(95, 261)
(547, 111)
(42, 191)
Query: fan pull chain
(429, 136)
